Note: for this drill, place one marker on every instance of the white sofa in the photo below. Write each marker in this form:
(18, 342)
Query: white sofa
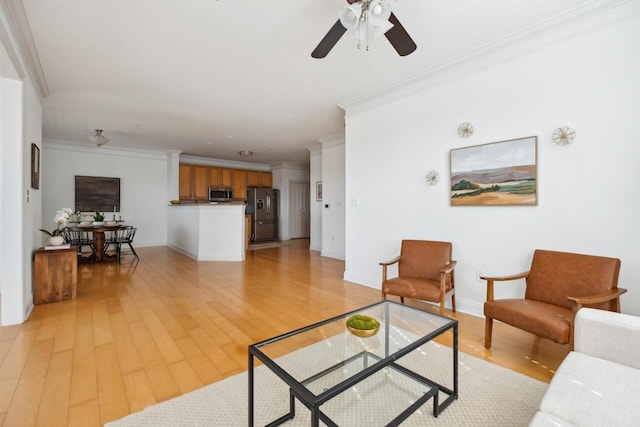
(597, 384)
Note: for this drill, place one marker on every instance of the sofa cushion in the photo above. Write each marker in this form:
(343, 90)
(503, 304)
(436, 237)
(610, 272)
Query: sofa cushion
(588, 391)
(542, 319)
(544, 419)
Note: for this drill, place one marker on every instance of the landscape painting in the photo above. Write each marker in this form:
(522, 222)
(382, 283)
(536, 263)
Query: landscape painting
(500, 173)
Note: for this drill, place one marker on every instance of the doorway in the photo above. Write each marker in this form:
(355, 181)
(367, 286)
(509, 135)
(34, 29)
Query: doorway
(299, 217)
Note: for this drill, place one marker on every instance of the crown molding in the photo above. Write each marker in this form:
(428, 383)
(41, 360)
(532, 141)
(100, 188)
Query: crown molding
(18, 16)
(332, 141)
(289, 166)
(233, 164)
(587, 17)
(52, 144)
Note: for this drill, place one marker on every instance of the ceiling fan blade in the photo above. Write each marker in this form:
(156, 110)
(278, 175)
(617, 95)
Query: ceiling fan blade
(399, 38)
(329, 40)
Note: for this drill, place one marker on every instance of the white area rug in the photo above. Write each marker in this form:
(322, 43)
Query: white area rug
(489, 395)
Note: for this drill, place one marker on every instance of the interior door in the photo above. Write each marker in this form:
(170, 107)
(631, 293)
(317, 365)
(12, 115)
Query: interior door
(299, 210)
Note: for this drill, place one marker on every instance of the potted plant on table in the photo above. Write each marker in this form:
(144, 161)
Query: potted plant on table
(61, 219)
(98, 218)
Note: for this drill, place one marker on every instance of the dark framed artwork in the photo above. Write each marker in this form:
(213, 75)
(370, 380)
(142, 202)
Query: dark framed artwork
(500, 173)
(318, 191)
(97, 193)
(35, 166)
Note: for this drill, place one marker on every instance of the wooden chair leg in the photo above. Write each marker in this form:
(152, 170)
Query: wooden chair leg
(453, 302)
(488, 329)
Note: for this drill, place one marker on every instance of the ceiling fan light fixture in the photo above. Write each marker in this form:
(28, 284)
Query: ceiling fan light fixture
(350, 16)
(98, 138)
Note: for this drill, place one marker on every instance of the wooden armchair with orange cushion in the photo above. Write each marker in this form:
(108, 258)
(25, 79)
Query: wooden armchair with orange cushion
(425, 272)
(558, 285)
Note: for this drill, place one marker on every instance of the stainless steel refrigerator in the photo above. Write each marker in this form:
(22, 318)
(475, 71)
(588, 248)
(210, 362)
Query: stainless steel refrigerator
(262, 205)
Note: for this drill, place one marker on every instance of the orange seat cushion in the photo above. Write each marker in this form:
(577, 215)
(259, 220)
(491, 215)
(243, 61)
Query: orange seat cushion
(540, 318)
(413, 287)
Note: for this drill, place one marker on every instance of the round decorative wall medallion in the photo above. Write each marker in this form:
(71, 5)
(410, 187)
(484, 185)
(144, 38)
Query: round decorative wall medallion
(465, 129)
(563, 135)
(433, 177)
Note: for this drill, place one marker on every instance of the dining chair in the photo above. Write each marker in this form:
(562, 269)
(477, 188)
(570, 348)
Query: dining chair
(77, 238)
(120, 237)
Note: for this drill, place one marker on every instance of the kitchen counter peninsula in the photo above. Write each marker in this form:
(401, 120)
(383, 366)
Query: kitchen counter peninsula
(208, 232)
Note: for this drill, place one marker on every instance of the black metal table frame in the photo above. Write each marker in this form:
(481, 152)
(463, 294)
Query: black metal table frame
(313, 402)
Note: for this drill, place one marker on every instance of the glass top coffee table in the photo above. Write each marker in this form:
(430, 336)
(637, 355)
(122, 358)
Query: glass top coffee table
(344, 379)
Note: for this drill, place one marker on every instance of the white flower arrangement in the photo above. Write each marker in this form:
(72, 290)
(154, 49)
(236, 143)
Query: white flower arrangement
(61, 219)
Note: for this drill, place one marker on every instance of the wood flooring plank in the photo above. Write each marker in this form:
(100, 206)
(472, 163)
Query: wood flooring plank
(7, 389)
(24, 407)
(85, 414)
(54, 403)
(160, 378)
(139, 392)
(84, 380)
(128, 355)
(165, 343)
(101, 325)
(112, 398)
(65, 334)
(202, 365)
(218, 357)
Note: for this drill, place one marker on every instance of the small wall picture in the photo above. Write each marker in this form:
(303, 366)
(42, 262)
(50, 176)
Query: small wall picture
(318, 191)
(499, 173)
(35, 166)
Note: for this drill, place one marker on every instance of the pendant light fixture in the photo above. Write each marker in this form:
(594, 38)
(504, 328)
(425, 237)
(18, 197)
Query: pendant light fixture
(98, 138)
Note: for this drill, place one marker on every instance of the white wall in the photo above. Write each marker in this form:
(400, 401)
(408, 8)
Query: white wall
(143, 184)
(20, 125)
(333, 191)
(315, 208)
(587, 191)
(283, 174)
(32, 128)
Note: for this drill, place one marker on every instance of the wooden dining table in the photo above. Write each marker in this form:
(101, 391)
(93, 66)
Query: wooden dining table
(98, 237)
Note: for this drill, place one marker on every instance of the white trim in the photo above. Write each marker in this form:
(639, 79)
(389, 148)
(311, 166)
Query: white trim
(233, 164)
(49, 144)
(18, 15)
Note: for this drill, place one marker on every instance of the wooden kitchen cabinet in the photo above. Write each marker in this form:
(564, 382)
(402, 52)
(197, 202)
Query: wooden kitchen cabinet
(259, 179)
(239, 184)
(194, 182)
(220, 177)
(55, 275)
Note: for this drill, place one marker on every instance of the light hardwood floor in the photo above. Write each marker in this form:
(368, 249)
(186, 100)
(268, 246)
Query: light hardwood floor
(141, 333)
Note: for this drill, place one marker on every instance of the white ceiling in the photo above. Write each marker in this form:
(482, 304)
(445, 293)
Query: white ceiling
(212, 77)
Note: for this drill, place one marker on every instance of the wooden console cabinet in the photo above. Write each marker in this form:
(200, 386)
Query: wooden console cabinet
(55, 275)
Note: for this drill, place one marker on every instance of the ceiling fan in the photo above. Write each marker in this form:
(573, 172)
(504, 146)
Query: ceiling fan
(362, 17)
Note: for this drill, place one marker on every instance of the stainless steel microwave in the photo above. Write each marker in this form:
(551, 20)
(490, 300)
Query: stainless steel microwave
(220, 194)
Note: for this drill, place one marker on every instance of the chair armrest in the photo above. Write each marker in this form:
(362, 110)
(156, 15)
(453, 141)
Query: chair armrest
(385, 265)
(608, 335)
(504, 278)
(491, 279)
(597, 298)
(393, 261)
(449, 267)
